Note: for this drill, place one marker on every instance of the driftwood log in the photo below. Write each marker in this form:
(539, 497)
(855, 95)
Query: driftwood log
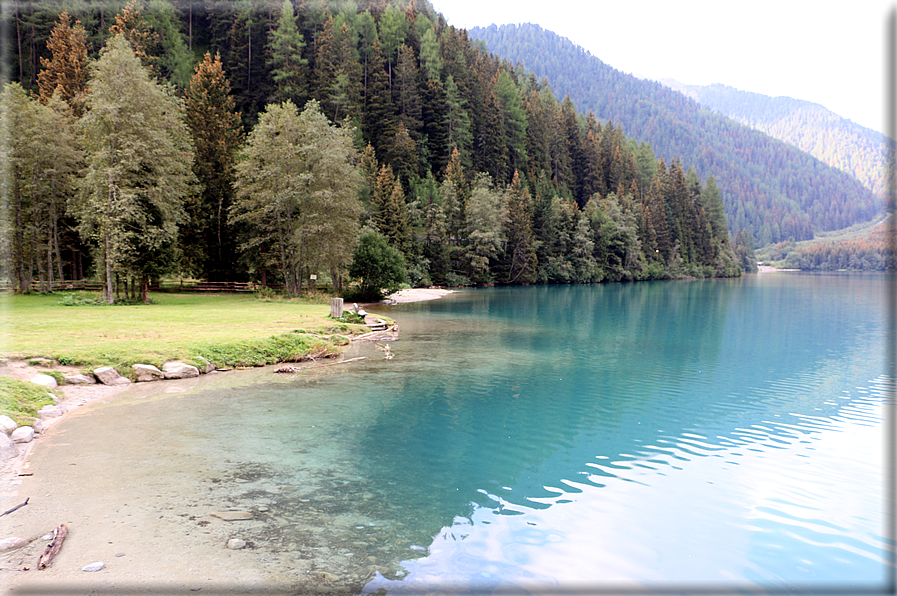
(292, 369)
(52, 549)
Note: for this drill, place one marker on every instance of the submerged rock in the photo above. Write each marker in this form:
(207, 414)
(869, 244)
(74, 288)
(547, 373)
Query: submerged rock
(232, 515)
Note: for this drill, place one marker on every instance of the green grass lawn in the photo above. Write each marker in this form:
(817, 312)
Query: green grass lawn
(227, 329)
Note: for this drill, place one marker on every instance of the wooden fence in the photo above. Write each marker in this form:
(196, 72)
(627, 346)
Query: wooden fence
(167, 285)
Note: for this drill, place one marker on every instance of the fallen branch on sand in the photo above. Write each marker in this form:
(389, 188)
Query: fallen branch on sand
(8, 511)
(59, 535)
(292, 369)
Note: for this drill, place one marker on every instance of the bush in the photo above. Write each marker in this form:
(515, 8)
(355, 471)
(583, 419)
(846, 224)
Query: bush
(377, 266)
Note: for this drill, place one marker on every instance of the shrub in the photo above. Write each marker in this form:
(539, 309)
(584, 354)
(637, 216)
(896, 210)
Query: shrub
(377, 266)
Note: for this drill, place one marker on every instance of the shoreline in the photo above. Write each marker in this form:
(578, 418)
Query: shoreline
(39, 474)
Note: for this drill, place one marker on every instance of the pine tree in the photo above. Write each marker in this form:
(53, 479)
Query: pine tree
(457, 119)
(520, 252)
(67, 69)
(288, 67)
(143, 40)
(390, 213)
(208, 243)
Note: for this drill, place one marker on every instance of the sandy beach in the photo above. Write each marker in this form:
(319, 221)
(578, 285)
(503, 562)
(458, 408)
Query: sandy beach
(152, 535)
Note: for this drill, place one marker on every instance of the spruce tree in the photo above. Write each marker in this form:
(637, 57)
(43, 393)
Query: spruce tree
(208, 242)
(67, 68)
(288, 67)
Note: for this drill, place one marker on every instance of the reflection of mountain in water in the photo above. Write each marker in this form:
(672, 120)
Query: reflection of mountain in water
(527, 388)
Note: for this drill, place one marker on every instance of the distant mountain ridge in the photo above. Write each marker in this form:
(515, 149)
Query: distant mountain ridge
(770, 188)
(830, 138)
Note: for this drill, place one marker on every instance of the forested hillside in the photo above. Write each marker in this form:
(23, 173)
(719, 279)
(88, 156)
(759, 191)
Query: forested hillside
(772, 189)
(836, 141)
(260, 140)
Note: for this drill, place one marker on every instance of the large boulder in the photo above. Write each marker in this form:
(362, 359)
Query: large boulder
(147, 372)
(109, 376)
(44, 381)
(23, 434)
(7, 425)
(8, 449)
(179, 370)
(80, 380)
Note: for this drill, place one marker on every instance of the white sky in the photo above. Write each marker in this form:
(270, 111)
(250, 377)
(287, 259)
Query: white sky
(830, 52)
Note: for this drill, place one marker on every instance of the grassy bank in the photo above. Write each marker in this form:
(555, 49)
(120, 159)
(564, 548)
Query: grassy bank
(226, 329)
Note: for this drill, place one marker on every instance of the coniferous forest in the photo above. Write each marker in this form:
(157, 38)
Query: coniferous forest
(772, 190)
(276, 140)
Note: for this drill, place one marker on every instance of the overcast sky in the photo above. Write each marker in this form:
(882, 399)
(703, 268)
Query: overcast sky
(830, 53)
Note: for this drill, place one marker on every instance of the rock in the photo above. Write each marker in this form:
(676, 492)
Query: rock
(209, 367)
(7, 425)
(179, 370)
(8, 449)
(44, 381)
(109, 376)
(12, 543)
(80, 380)
(236, 544)
(23, 434)
(94, 566)
(232, 515)
(48, 412)
(147, 372)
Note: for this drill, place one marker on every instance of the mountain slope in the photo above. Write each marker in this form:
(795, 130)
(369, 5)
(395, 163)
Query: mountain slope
(841, 143)
(770, 188)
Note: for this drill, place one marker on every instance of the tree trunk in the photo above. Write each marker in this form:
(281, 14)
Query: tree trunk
(144, 289)
(18, 243)
(107, 292)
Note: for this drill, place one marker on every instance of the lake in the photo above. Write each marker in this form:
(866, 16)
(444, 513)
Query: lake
(680, 436)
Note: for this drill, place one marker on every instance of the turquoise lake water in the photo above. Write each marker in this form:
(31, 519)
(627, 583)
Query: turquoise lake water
(659, 436)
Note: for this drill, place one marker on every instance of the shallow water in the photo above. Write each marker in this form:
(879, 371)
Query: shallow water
(674, 435)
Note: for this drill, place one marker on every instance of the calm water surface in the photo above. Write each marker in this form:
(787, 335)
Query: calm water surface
(677, 435)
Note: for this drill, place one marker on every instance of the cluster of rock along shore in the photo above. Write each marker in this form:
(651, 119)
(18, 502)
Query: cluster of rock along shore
(12, 434)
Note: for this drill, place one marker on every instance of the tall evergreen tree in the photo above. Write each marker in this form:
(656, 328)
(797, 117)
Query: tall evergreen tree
(288, 67)
(67, 68)
(520, 252)
(208, 243)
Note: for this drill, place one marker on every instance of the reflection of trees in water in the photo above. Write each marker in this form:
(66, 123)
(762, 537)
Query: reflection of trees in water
(527, 385)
